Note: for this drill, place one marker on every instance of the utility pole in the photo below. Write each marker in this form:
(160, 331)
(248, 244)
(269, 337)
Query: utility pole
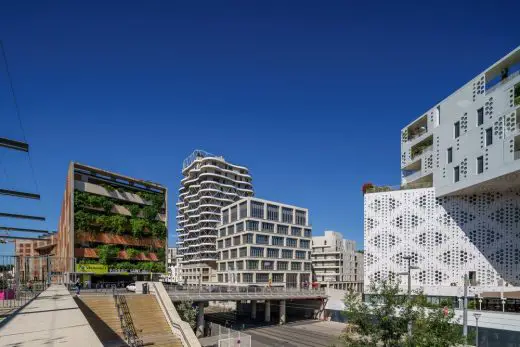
(465, 308)
(409, 273)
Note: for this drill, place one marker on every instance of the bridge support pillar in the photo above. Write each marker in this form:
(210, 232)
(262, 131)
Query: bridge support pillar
(267, 311)
(282, 311)
(253, 309)
(200, 320)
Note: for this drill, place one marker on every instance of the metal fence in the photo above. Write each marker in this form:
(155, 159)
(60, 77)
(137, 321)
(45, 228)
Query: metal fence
(227, 337)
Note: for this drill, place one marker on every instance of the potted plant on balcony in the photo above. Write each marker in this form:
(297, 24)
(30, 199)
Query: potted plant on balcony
(366, 187)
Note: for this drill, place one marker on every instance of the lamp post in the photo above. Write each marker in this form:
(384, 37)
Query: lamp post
(409, 273)
(477, 316)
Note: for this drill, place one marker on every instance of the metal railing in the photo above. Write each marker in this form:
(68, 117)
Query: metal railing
(419, 185)
(517, 155)
(497, 84)
(127, 325)
(225, 336)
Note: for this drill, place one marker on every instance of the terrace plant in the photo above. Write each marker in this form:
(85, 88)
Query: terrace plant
(107, 253)
(132, 253)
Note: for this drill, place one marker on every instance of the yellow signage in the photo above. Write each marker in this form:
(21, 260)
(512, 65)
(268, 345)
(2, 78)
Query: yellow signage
(92, 268)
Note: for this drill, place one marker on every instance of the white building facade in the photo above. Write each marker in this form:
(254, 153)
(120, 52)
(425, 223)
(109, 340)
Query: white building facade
(209, 184)
(264, 242)
(335, 261)
(457, 211)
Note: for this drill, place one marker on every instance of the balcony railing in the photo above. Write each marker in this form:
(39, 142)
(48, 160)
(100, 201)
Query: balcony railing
(491, 88)
(418, 133)
(379, 189)
(421, 151)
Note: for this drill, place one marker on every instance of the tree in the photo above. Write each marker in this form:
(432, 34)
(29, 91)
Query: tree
(383, 320)
(187, 312)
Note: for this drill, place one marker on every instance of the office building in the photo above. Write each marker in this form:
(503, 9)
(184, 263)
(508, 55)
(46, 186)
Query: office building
(112, 228)
(209, 183)
(263, 242)
(335, 261)
(457, 211)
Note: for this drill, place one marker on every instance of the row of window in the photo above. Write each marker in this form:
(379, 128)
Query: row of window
(252, 225)
(288, 215)
(262, 240)
(291, 280)
(261, 252)
(264, 265)
(489, 133)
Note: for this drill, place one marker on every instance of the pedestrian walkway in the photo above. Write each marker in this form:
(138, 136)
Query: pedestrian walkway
(51, 319)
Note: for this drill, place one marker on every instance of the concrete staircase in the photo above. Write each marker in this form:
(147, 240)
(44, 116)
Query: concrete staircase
(101, 313)
(149, 321)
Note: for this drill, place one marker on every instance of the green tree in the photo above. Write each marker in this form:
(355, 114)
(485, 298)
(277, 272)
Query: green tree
(187, 312)
(382, 320)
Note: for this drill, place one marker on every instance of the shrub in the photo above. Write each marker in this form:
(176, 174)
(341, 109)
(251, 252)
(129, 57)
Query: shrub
(107, 253)
(138, 226)
(132, 252)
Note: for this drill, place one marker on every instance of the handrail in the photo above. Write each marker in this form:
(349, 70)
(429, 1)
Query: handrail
(127, 324)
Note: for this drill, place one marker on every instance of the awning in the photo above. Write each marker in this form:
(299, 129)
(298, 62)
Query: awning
(507, 295)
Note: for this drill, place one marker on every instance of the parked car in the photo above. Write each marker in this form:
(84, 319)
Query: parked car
(131, 287)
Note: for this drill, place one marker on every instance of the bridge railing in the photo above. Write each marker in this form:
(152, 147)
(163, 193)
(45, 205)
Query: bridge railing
(179, 290)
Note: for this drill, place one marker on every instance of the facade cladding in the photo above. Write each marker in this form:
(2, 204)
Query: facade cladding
(264, 242)
(209, 184)
(457, 211)
(111, 226)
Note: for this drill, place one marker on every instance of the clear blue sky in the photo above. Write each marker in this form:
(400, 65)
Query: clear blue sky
(311, 96)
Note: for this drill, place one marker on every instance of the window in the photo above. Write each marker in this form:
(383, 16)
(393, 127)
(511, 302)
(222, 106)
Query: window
(220, 244)
(228, 242)
(225, 217)
(277, 241)
(234, 253)
(243, 210)
(231, 265)
(287, 215)
(456, 174)
(230, 230)
(480, 116)
(438, 116)
(252, 225)
(252, 264)
(278, 278)
(301, 217)
(287, 253)
(307, 266)
(282, 265)
(282, 229)
(291, 242)
(307, 233)
(267, 265)
(489, 136)
(296, 231)
(222, 266)
(262, 278)
(456, 129)
(296, 266)
(268, 227)
(240, 265)
(247, 277)
(239, 227)
(257, 252)
(480, 165)
(222, 232)
(243, 252)
(272, 212)
(273, 253)
(233, 214)
(236, 240)
(225, 255)
(449, 155)
(262, 239)
(304, 244)
(248, 238)
(257, 209)
(300, 255)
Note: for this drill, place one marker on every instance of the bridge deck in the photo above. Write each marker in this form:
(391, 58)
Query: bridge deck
(243, 293)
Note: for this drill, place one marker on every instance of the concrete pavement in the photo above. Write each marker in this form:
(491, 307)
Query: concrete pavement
(51, 319)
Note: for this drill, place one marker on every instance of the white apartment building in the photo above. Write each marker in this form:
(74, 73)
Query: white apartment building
(173, 268)
(264, 242)
(335, 261)
(463, 155)
(209, 183)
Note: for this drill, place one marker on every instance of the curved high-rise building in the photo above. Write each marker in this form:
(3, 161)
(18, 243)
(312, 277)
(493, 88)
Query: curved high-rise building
(209, 183)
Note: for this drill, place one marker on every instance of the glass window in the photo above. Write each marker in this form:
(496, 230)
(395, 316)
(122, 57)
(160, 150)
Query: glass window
(268, 227)
(247, 277)
(449, 155)
(267, 265)
(301, 217)
(239, 227)
(236, 240)
(296, 231)
(480, 116)
(262, 239)
(233, 253)
(243, 210)
(480, 165)
(228, 242)
(282, 229)
(220, 244)
(456, 129)
(278, 278)
(257, 209)
(222, 267)
(225, 255)
(291, 242)
(287, 215)
(252, 225)
(252, 264)
(282, 265)
(296, 266)
(300, 254)
(240, 265)
(262, 278)
(243, 252)
(456, 174)
(489, 136)
(231, 265)
(272, 212)
(225, 216)
(308, 233)
(277, 241)
(304, 243)
(234, 214)
(307, 266)
(257, 252)
(273, 253)
(287, 253)
(222, 232)
(248, 238)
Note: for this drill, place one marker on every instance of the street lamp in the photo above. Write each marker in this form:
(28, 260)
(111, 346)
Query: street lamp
(409, 273)
(477, 316)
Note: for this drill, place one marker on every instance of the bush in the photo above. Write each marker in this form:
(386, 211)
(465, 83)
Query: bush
(138, 226)
(107, 253)
(132, 252)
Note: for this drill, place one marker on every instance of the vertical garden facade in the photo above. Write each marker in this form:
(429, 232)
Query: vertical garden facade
(113, 228)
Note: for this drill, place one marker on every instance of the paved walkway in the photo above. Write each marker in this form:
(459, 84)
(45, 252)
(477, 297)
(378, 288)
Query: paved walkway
(52, 319)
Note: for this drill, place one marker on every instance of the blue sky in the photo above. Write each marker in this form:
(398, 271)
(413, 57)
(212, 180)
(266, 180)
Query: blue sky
(311, 96)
